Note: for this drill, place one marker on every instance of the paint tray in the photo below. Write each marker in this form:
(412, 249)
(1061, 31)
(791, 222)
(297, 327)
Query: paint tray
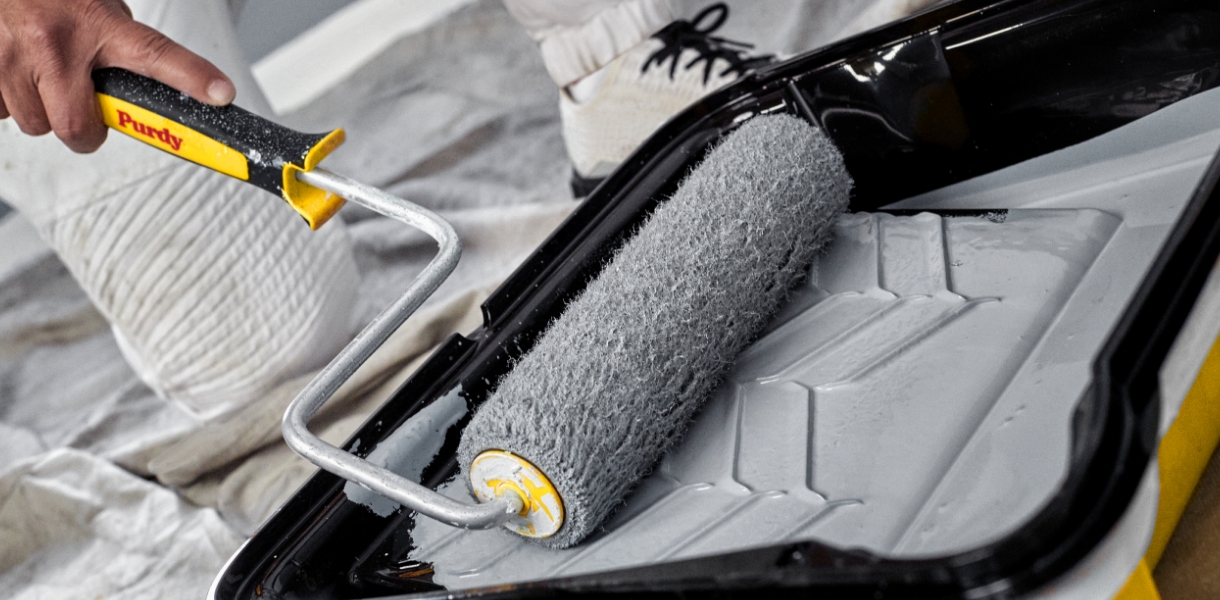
(960, 401)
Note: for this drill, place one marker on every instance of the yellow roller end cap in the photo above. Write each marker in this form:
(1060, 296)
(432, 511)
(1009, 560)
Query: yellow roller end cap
(496, 472)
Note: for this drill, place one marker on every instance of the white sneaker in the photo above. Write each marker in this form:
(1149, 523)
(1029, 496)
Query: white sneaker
(608, 114)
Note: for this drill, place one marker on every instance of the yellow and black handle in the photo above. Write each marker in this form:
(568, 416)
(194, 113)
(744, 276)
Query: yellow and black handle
(227, 139)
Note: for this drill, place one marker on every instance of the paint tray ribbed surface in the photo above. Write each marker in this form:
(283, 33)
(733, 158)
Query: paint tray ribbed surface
(914, 398)
(859, 417)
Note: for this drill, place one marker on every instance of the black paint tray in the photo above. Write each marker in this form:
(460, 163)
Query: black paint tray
(947, 96)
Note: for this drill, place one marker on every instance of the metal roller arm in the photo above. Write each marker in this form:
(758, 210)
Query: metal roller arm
(334, 460)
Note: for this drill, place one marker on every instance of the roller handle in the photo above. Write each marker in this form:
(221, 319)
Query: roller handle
(226, 139)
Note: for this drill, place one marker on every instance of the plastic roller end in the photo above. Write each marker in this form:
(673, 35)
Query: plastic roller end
(495, 473)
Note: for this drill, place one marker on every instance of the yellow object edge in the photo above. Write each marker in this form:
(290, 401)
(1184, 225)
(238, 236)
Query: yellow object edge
(1140, 585)
(315, 205)
(1185, 451)
(173, 137)
(1182, 457)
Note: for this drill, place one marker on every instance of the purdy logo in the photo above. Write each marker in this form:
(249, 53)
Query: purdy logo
(164, 135)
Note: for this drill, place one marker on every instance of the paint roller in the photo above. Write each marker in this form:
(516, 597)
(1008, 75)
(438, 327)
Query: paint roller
(615, 381)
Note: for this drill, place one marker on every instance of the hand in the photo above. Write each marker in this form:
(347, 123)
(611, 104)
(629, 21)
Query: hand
(49, 49)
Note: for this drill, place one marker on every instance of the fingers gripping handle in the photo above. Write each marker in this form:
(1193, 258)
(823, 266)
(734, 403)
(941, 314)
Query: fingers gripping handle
(227, 139)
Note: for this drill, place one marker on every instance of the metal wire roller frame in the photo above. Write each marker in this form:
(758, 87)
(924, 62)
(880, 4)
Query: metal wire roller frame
(296, 419)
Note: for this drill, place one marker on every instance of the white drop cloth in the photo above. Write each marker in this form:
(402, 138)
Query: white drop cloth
(107, 491)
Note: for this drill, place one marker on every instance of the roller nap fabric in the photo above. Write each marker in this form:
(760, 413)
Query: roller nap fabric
(616, 380)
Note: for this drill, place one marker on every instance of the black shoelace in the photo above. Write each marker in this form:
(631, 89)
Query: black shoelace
(682, 34)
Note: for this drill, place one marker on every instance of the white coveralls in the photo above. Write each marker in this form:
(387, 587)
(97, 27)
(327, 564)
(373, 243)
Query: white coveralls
(216, 292)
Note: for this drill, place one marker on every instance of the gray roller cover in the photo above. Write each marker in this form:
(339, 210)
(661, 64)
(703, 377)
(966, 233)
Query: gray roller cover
(615, 381)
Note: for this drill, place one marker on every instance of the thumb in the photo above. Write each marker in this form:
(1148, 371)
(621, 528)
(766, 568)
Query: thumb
(141, 49)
